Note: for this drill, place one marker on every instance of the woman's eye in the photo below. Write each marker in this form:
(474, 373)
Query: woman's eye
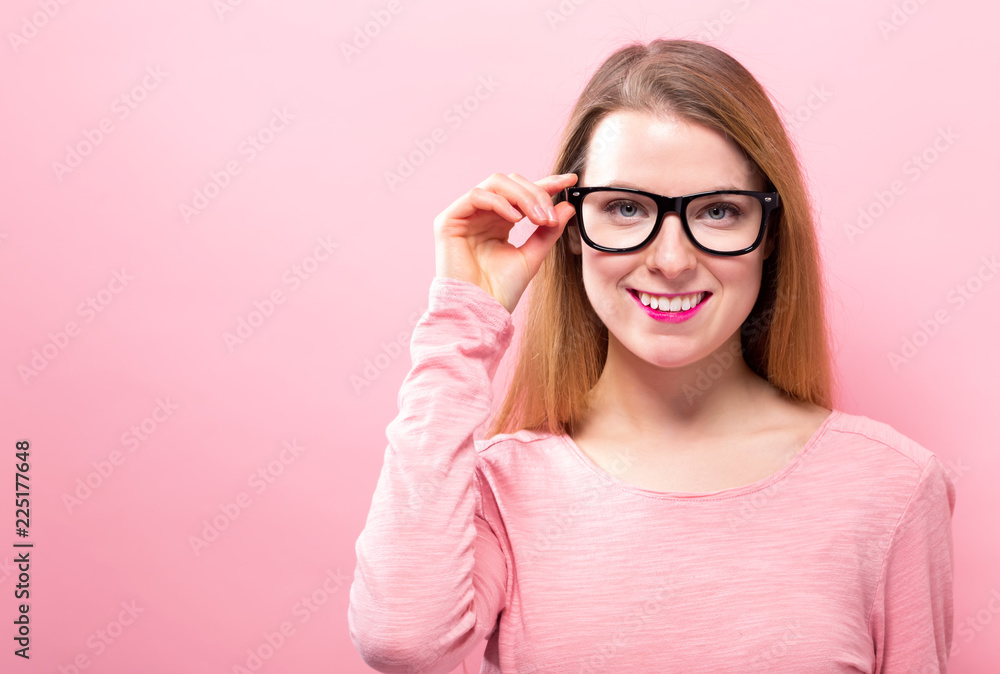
(627, 209)
(721, 211)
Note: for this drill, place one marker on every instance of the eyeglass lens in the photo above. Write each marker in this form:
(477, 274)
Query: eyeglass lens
(722, 222)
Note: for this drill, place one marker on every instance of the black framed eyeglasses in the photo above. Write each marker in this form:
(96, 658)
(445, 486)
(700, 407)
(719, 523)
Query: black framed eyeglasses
(623, 220)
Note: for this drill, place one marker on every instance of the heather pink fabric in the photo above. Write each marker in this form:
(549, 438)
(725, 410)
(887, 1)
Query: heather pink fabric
(839, 562)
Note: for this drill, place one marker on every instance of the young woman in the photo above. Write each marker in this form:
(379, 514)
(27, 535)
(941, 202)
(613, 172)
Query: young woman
(667, 486)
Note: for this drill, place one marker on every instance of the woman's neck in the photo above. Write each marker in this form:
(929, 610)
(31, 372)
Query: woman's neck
(714, 396)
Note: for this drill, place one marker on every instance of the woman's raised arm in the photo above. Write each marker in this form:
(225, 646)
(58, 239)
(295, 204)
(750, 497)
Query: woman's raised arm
(431, 575)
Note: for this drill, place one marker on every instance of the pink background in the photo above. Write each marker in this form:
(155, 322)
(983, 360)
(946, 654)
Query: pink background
(862, 102)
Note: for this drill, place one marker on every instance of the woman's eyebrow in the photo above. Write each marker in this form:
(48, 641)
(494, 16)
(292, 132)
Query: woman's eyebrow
(717, 187)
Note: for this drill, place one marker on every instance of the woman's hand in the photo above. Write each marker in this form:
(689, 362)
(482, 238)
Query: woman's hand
(470, 236)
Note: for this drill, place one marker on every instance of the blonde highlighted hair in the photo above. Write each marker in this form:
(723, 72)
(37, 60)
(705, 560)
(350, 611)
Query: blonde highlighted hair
(564, 344)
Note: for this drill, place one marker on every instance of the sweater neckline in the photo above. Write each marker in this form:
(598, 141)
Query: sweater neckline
(729, 492)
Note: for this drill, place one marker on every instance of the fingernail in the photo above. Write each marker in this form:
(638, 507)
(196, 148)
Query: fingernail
(552, 215)
(540, 213)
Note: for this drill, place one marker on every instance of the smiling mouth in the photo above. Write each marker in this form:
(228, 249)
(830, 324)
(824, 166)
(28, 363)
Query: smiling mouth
(677, 303)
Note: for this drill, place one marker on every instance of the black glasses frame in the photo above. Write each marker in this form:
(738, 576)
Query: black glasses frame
(768, 201)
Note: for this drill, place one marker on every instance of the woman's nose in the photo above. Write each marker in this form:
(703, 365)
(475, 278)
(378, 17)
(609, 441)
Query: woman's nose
(671, 251)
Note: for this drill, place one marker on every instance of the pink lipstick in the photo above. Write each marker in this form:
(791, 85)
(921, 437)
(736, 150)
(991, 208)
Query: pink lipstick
(670, 316)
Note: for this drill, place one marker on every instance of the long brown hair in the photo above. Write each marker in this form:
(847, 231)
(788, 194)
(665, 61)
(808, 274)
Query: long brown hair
(564, 344)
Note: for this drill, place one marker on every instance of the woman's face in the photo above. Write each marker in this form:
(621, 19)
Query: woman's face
(673, 158)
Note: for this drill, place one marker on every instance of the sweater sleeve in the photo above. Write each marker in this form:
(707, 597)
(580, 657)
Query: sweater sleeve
(431, 576)
(913, 615)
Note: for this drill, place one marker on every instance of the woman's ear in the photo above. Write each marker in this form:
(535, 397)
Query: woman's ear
(768, 244)
(573, 232)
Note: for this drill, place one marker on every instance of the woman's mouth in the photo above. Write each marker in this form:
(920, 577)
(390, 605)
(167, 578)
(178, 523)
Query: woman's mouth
(670, 309)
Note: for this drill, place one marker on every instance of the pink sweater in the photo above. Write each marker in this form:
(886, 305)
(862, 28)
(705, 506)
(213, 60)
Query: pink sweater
(839, 562)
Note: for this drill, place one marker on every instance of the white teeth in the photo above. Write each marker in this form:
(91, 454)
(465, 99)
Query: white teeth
(672, 304)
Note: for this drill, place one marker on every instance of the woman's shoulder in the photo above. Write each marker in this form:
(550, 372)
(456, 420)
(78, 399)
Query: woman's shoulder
(503, 442)
(871, 432)
(878, 442)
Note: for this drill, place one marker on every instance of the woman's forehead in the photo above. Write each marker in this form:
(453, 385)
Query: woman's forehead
(669, 154)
